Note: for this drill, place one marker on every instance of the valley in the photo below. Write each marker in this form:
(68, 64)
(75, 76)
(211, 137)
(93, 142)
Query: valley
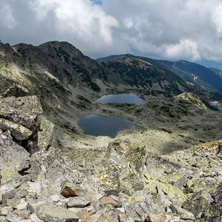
(167, 166)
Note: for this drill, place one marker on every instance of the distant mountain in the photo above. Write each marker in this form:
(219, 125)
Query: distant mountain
(217, 71)
(57, 70)
(206, 78)
(198, 74)
(135, 72)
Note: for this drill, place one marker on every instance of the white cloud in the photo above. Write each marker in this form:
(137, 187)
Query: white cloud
(7, 19)
(170, 29)
(80, 22)
(186, 47)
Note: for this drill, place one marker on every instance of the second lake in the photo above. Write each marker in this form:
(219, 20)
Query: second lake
(97, 125)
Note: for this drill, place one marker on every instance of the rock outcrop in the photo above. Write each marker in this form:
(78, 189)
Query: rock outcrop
(119, 184)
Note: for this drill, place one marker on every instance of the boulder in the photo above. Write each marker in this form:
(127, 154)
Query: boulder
(79, 202)
(156, 218)
(198, 203)
(13, 158)
(72, 190)
(21, 110)
(45, 133)
(56, 214)
(109, 200)
(18, 131)
(16, 91)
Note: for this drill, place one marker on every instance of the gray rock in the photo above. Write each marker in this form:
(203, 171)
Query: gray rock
(79, 202)
(13, 218)
(45, 133)
(23, 205)
(18, 131)
(34, 218)
(13, 158)
(6, 210)
(56, 214)
(198, 203)
(22, 110)
(16, 91)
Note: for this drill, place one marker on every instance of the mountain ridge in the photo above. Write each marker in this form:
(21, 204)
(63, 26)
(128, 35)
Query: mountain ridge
(190, 71)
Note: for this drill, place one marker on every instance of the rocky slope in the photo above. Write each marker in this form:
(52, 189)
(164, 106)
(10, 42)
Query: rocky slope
(119, 182)
(205, 78)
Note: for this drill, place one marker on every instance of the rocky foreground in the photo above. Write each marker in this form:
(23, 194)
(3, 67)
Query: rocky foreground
(120, 183)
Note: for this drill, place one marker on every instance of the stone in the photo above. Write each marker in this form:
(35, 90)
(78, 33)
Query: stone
(217, 219)
(24, 214)
(6, 196)
(156, 218)
(198, 203)
(22, 205)
(79, 202)
(18, 131)
(56, 214)
(69, 192)
(62, 203)
(22, 110)
(45, 133)
(34, 218)
(13, 158)
(85, 216)
(55, 198)
(131, 212)
(6, 210)
(184, 214)
(13, 218)
(34, 204)
(109, 200)
(41, 160)
(16, 91)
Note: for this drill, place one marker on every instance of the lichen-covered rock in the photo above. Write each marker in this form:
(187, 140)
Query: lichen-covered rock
(56, 214)
(72, 190)
(79, 202)
(41, 161)
(13, 158)
(21, 110)
(45, 133)
(16, 91)
(198, 203)
(109, 200)
(18, 131)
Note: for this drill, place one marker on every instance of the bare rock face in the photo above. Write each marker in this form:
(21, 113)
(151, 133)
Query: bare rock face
(22, 116)
(21, 110)
(24, 131)
(16, 91)
(13, 158)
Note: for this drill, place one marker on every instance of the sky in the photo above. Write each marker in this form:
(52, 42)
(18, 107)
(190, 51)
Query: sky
(164, 29)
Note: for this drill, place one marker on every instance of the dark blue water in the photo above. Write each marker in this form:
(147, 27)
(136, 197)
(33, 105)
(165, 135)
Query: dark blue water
(121, 98)
(96, 125)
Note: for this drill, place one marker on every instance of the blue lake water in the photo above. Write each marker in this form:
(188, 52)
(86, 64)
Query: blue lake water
(121, 98)
(97, 125)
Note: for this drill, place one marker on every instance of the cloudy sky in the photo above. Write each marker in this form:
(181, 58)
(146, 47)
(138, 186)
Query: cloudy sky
(166, 29)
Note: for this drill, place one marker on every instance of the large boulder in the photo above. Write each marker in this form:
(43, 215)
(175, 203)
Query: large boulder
(13, 159)
(56, 214)
(21, 110)
(21, 114)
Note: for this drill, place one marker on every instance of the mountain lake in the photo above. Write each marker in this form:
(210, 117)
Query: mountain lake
(121, 98)
(97, 125)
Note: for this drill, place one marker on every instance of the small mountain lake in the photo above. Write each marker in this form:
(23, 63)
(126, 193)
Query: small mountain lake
(121, 98)
(97, 125)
